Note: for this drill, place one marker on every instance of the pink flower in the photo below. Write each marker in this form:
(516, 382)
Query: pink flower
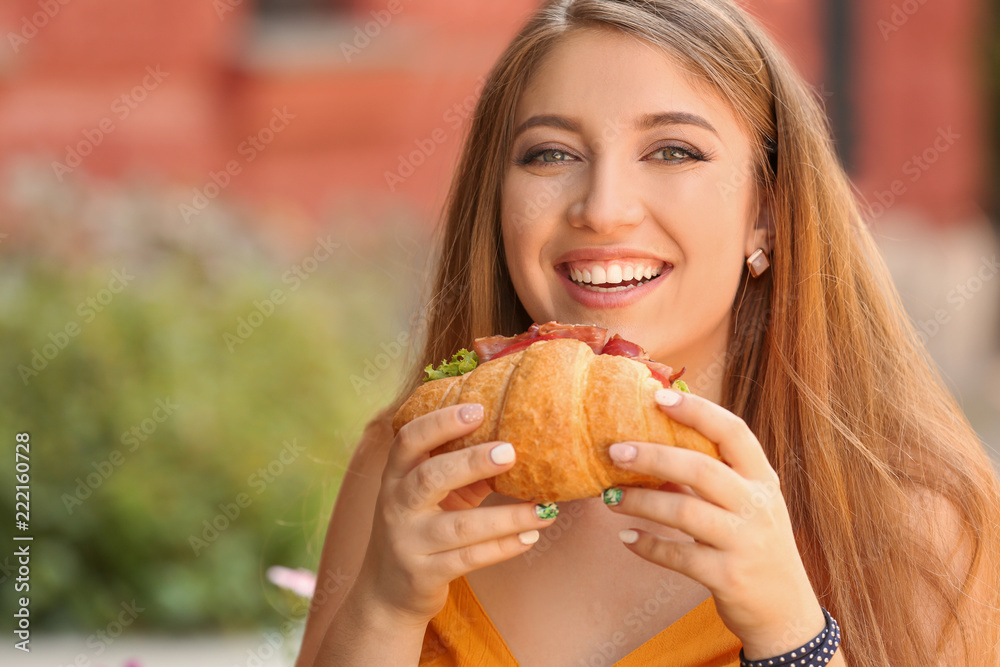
(301, 582)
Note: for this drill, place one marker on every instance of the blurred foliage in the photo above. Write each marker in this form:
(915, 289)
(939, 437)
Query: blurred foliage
(161, 341)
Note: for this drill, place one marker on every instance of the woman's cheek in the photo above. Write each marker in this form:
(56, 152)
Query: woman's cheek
(516, 208)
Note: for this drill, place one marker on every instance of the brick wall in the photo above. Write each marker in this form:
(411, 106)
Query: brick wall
(182, 89)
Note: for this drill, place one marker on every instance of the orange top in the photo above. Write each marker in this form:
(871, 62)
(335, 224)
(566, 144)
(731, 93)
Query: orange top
(462, 635)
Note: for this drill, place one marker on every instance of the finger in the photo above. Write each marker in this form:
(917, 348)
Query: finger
(468, 496)
(676, 488)
(432, 480)
(693, 560)
(446, 531)
(463, 560)
(706, 523)
(417, 438)
(710, 479)
(738, 446)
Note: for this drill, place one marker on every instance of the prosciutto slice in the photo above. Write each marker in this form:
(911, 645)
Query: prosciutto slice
(492, 347)
(661, 372)
(488, 347)
(595, 337)
(520, 345)
(623, 348)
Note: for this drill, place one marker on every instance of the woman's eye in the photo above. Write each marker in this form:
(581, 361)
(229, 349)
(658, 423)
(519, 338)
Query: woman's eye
(674, 154)
(669, 155)
(550, 155)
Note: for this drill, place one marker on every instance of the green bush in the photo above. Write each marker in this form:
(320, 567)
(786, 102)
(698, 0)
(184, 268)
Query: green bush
(167, 346)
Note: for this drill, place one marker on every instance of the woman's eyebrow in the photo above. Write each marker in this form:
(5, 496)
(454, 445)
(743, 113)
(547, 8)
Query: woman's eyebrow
(646, 122)
(650, 121)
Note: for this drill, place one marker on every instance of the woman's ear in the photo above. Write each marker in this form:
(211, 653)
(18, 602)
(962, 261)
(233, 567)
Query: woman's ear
(761, 234)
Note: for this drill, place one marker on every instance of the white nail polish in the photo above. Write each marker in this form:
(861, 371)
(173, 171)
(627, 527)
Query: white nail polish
(502, 454)
(667, 397)
(529, 537)
(628, 536)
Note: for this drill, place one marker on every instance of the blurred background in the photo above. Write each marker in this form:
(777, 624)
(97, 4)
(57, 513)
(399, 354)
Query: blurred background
(215, 222)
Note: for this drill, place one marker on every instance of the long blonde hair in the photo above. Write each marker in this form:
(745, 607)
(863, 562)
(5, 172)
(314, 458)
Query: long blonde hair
(823, 363)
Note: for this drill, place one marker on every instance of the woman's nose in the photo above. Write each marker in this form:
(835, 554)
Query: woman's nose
(610, 201)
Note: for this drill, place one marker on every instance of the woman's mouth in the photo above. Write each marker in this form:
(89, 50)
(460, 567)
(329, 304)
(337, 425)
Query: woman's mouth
(613, 277)
(611, 284)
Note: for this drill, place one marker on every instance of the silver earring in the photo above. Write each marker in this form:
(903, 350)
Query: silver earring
(758, 263)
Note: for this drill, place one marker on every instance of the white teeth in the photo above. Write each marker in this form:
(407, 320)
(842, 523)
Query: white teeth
(613, 273)
(622, 288)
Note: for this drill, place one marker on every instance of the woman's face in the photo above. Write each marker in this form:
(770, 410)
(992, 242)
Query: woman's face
(626, 165)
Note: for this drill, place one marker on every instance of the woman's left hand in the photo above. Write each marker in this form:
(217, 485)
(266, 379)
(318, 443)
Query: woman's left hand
(743, 551)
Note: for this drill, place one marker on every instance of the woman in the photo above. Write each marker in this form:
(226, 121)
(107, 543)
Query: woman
(675, 135)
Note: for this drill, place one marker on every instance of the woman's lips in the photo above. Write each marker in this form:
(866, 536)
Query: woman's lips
(594, 299)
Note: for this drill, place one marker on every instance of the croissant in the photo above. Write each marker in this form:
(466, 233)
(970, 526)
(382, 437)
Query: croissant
(561, 406)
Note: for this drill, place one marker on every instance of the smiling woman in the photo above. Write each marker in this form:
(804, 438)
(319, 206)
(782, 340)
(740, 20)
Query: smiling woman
(658, 169)
(638, 169)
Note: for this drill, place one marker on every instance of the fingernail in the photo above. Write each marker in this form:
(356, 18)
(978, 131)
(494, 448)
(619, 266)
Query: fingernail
(529, 537)
(667, 397)
(471, 412)
(628, 536)
(623, 453)
(547, 510)
(612, 496)
(502, 454)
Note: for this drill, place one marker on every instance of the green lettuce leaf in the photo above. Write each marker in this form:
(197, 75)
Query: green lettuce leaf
(461, 362)
(680, 385)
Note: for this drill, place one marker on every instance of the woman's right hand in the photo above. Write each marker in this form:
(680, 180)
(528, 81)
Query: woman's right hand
(428, 528)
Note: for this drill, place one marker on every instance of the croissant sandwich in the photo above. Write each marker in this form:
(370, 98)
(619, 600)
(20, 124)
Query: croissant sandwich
(561, 394)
